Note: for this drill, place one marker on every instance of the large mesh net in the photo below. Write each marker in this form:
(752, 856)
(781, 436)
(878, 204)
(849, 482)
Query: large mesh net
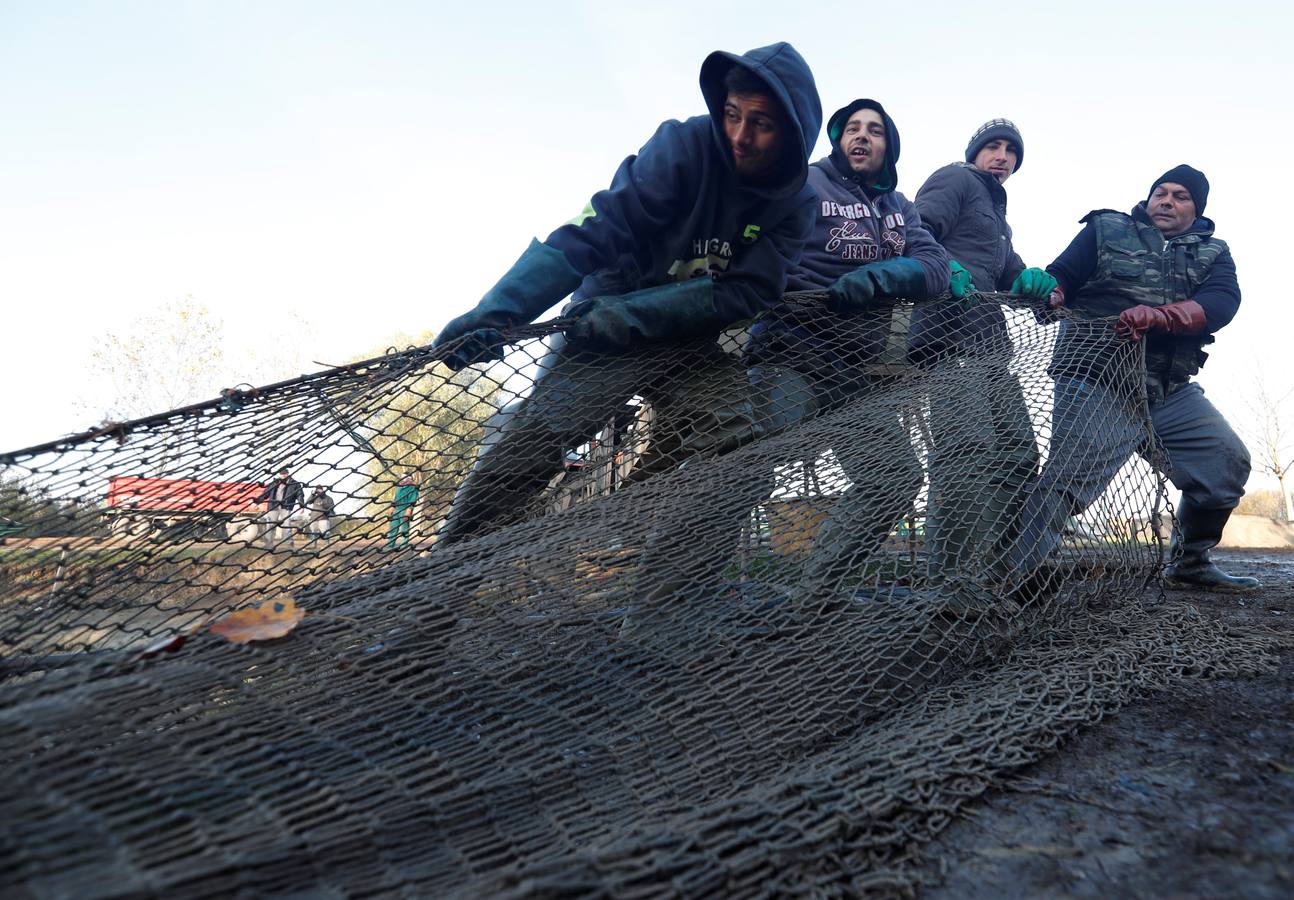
(754, 616)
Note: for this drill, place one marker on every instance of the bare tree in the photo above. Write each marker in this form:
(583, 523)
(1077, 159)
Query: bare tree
(181, 353)
(171, 357)
(1272, 436)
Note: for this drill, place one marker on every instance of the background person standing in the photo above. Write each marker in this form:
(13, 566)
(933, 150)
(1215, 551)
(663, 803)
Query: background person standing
(283, 495)
(321, 508)
(401, 520)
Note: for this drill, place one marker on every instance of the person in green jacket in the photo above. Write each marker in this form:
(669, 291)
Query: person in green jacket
(406, 498)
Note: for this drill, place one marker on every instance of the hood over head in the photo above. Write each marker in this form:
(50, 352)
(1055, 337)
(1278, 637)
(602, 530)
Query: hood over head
(888, 178)
(790, 82)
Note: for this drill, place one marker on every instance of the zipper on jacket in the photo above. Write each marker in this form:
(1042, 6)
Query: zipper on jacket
(1167, 268)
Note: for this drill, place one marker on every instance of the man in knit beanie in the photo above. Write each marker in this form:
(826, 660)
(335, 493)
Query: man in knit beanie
(1192, 180)
(1167, 204)
(1164, 278)
(963, 204)
(993, 131)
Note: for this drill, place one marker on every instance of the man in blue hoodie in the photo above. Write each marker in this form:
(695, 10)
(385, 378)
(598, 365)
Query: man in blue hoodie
(1169, 281)
(695, 233)
(869, 249)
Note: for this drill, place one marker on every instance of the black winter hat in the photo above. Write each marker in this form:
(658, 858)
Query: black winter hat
(992, 130)
(1191, 179)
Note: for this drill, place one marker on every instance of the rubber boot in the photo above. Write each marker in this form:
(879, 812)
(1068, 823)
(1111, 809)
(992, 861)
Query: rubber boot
(515, 460)
(851, 536)
(854, 532)
(1200, 531)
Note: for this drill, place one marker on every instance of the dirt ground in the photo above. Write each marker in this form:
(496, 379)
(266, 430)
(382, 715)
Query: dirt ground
(1187, 793)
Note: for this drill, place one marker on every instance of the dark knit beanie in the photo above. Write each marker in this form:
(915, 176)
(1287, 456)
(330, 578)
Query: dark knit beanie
(992, 130)
(1191, 179)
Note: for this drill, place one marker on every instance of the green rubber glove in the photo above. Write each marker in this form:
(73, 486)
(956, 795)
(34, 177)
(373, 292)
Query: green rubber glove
(960, 284)
(867, 287)
(670, 312)
(1033, 283)
(536, 281)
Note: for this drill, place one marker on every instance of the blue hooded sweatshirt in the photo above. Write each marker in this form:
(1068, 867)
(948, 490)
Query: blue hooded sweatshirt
(858, 222)
(677, 210)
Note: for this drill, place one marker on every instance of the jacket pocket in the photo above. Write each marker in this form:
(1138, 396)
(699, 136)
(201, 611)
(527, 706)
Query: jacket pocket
(1126, 264)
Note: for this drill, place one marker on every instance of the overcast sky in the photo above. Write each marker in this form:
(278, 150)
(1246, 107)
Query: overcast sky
(371, 168)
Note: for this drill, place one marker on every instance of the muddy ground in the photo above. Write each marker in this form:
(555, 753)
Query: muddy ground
(1186, 793)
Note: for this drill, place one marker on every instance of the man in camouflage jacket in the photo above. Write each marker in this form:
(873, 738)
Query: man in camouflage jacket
(1169, 281)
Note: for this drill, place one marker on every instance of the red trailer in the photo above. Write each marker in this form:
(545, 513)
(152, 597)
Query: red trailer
(182, 507)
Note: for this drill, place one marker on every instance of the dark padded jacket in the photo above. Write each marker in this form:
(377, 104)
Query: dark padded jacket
(677, 210)
(965, 209)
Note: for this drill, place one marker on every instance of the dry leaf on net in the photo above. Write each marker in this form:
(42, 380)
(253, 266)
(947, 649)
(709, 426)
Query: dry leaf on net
(270, 620)
(169, 643)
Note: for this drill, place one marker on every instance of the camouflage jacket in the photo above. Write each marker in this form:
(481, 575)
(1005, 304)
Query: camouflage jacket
(1135, 264)
(1119, 261)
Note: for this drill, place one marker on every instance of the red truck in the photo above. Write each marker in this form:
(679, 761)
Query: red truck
(182, 508)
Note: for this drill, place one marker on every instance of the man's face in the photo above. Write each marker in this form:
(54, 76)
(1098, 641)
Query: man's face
(283, 475)
(998, 158)
(863, 142)
(1171, 208)
(753, 126)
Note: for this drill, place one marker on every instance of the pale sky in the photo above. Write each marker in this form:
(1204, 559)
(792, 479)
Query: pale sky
(372, 168)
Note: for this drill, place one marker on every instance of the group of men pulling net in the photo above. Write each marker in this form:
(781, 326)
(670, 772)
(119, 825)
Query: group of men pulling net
(741, 668)
(703, 587)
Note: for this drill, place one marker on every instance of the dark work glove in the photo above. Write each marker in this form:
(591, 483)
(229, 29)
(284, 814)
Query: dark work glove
(477, 344)
(867, 286)
(536, 281)
(1035, 283)
(617, 324)
(1186, 317)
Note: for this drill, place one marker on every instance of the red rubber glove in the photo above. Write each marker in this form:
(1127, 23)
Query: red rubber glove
(1186, 317)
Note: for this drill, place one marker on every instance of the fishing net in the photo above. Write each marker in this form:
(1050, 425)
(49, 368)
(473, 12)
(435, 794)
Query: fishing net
(754, 616)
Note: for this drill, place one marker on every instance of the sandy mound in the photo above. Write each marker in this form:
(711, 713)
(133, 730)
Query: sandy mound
(1258, 532)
